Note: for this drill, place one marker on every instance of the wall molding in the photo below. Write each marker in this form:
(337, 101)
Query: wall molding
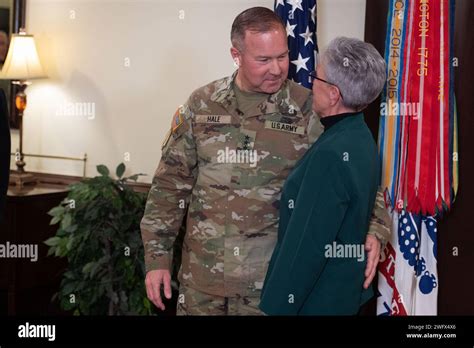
(62, 181)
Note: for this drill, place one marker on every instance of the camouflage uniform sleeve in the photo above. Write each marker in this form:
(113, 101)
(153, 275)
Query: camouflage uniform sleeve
(170, 192)
(380, 223)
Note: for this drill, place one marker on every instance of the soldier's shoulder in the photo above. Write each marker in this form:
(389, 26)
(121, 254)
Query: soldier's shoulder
(298, 93)
(203, 94)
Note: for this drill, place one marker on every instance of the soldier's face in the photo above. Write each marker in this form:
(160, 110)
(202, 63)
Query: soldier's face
(264, 61)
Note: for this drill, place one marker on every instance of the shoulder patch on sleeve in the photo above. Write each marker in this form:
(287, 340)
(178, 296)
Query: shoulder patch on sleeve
(177, 120)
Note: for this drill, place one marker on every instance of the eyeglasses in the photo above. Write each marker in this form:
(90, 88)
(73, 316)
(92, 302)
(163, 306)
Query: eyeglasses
(315, 77)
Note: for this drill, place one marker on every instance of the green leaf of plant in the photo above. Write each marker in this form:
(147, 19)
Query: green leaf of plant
(51, 251)
(66, 221)
(71, 228)
(103, 170)
(120, 170)
(68, 275)
(69, 287)
(87, 268)
(62, 247)
(55, 220)
(91, 214)
(70, 243)
(56, 211)
(53, 241)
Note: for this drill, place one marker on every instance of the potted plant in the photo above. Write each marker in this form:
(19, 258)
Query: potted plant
(99, 234)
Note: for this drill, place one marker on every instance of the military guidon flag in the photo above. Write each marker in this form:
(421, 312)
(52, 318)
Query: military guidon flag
(418, 150)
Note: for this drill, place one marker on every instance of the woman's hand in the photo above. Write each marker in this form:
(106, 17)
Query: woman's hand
(372, 246)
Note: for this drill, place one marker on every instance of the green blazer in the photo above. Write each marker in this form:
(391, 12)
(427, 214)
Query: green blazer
(317, 267)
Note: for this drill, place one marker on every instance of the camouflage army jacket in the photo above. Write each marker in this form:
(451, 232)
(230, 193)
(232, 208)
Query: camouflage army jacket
(229, 169)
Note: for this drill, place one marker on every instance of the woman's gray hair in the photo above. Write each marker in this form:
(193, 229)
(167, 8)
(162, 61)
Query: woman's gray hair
(356, 68)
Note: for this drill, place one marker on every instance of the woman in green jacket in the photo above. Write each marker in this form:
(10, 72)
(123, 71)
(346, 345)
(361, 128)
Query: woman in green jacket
(317, 267)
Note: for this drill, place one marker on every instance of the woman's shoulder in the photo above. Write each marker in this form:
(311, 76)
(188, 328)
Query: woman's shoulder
(349, 137)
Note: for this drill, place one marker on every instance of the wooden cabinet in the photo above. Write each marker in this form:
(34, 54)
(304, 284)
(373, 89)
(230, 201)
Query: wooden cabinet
(26, 286)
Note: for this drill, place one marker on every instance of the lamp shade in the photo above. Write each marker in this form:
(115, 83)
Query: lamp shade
(22, 61)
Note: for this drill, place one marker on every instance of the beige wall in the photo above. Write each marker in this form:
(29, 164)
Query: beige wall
(85, 46)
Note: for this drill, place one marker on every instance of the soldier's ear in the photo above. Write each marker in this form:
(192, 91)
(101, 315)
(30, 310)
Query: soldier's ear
(235, 55)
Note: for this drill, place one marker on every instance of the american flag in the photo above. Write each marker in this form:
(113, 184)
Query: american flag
(300, 19)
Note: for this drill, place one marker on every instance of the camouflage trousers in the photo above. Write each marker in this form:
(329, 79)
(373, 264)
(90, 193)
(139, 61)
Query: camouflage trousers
(194, 302)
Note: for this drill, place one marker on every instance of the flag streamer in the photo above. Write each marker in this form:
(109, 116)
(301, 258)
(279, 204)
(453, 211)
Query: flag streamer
(418, 150)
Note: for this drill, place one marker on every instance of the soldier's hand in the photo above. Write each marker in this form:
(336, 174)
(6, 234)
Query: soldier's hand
(153, 282)
(372, 246)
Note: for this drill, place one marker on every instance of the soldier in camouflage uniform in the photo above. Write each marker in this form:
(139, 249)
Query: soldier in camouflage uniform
(226, 157)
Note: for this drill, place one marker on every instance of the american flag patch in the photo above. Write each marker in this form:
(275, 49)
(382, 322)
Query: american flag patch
(177, 120)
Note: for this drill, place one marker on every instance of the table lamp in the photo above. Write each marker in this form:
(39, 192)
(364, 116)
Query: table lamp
(22, 64)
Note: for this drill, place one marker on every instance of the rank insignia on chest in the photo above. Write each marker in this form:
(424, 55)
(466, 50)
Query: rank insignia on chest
(246, 139)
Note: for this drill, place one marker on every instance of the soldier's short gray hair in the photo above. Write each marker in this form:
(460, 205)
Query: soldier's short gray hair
(357, 68)
(255, 19)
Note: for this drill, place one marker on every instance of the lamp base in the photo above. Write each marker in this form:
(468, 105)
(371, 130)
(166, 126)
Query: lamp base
(22, 179)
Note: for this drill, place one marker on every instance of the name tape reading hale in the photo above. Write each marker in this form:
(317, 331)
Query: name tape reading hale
(222, 119)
